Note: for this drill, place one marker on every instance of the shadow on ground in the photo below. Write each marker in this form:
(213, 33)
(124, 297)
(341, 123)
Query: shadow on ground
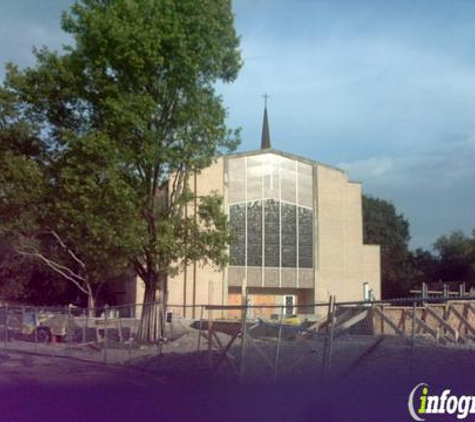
(55, 389)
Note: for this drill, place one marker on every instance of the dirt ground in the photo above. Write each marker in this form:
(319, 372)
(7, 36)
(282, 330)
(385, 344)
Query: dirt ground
(93, 351)
(23, 368)
(371, 378)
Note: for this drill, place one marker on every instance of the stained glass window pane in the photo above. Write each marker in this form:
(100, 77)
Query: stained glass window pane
(254, 233)
(284, 230)
(305, 238)
(289, 235)
(237, 219)
(272, 235)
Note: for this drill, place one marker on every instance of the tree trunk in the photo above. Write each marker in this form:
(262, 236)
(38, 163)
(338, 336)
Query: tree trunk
(163, 299)
(150, 328)
(91, 301)
(91, 304)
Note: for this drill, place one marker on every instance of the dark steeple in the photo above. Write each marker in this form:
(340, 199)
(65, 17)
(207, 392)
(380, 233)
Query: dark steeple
(265, 140)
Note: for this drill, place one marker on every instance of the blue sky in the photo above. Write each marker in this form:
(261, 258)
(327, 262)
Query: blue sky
(383, 89)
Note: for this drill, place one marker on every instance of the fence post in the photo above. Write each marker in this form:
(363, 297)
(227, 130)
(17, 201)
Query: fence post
(22, 315)
(327, 350)
(332, 330)
(199, 331)
(84, 326)
(325, 344)
(279, 339)
(65, 338)
(425, 292)
(119, 324)
(35, 323)
(413, 328)
(106, 308)
(129, 342)
(243, 339)
(168, 313)
(210, 339)
(5, 327)
(68, 332)
(162, 323)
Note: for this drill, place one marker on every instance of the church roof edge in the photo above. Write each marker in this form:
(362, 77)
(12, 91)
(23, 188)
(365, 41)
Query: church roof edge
(284, 154)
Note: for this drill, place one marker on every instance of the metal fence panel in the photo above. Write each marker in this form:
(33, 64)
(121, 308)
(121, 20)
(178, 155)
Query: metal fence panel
(248, 344)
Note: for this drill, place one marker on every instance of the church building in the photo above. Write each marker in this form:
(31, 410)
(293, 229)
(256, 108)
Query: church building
(298, 235)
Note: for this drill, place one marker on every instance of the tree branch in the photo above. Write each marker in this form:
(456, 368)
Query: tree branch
(68, 250)
(60, 269)
(139, 268)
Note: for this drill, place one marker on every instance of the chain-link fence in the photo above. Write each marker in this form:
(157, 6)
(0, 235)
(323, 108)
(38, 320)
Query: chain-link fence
(330, 341)
(287, 346)
(102, 334)
(265, 344)
(401, 337)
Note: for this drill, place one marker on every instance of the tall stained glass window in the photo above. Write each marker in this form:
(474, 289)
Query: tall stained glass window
(289, 235)
(254, 233)
(272, 233)
(271, 211)
(237, 219)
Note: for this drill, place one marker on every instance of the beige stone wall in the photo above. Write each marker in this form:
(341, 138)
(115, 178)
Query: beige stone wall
(372, 268)
(344, 263)
(208, 289)
(207, 286)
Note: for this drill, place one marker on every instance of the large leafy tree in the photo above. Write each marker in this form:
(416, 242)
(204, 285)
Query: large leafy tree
(453, 258)
(87, 225)
(383, 225)
(67, 209)
(423, 266)
(456, 257)
(141, 78)
(20, 192)
(25, 279)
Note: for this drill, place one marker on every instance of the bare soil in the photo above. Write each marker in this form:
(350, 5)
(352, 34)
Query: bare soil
(370, 379)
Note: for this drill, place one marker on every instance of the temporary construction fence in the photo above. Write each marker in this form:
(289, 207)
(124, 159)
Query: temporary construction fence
(257, 349)
(266, 343)
(335, 339)
(111, 334)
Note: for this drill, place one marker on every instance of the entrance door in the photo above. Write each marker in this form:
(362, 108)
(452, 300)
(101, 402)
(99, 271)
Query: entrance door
(289, 302)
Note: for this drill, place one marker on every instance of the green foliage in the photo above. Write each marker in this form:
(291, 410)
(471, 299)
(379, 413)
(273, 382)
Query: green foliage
(403, 269)
(93, 206)
(22, 193)
(382, 225)
(22, 185)
(25, 279)
(124, 117)
(456, 255)
(423, 265)
(77, 204)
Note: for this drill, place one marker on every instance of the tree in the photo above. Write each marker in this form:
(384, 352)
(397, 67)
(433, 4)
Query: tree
(25, 279)
(20, 193)
(141, 77)
(383, 225)
(423, 267)
(69, 208)
(456, 255)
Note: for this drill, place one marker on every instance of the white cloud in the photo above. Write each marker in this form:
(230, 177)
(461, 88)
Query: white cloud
(377, 88)
(433, 188)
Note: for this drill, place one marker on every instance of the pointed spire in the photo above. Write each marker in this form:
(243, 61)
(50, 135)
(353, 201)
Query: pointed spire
(265, 139)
